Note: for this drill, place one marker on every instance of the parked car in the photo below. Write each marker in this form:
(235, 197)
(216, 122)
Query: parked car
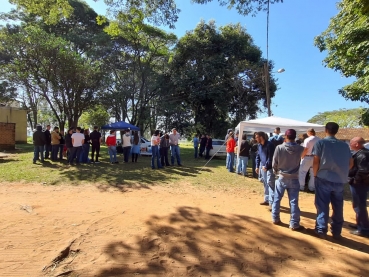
(219, 147)
(145, 147)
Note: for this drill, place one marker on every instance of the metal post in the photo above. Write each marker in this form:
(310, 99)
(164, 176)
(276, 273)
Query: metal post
(267, 92)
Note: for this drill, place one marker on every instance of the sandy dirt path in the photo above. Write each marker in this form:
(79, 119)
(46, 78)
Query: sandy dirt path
(180, 230)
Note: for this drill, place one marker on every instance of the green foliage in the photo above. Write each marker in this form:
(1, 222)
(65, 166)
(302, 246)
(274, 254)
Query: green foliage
(8, 93)
(346, 41)
(351, 118)
(95, 116)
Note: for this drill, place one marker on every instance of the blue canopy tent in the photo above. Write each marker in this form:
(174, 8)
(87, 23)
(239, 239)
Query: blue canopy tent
(121, 125)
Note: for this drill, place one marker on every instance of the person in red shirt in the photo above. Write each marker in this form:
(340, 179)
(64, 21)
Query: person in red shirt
(111, 143)
(231, 144)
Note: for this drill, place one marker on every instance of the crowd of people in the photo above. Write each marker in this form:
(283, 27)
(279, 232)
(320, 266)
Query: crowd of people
(282, 164)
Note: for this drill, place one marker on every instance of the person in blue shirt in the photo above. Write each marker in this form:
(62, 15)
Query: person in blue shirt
(332, 161)
(277, 138)
(196, 145)
(264, 158)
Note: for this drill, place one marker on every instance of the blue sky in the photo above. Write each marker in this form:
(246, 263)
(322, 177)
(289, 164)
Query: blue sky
(306, 87)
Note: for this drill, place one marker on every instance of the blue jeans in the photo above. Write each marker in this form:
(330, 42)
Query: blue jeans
(196, 151)
(253, 160)
(155, 156)
(269, 186)
(328, 193)
(126, 152)
(174, 152)
(86, 149)
(38, 150)
(76, 154)
(112, 153)
(242, 165)
(359, 197)
(230, 159)
(293, 189)
(54, 152)
(47, 150)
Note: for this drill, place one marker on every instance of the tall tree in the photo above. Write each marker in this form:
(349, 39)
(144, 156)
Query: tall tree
(346, 42)
(345, 118)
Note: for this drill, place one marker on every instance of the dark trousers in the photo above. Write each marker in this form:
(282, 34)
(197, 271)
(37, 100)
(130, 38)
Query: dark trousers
(134, 157)
(253, 160)
(164, 156)
(196, 151)
(75, 154)
(61, 150)
(359, 197)
(126, 151)
(95, 148)
(47, 150)
(202, 149)
(54, 152)
(207, 151)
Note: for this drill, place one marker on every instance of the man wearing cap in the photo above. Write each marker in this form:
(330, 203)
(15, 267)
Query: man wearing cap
(264, 159)
(174, 148)
(286, 163)
(332, 161)
(307, 159)
(359, 186)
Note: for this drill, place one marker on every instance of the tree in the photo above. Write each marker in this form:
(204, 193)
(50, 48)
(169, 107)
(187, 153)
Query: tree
(346, 41)
(351, 118)
(8, 93)
(95, 116)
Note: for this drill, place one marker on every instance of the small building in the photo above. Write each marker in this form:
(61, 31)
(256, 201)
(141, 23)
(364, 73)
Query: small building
(17, 116)
(346, 134)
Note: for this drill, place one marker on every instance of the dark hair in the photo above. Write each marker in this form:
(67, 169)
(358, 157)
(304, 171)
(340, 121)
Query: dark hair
(136, 139)
(277, 128)
(261, 134)
(291, 137)
(56, 128)
(112, 131)
(96, 127)
(157, 132)
(244, 137)
(332, 128)
(166, 136)
(86, 131)
(78, 128)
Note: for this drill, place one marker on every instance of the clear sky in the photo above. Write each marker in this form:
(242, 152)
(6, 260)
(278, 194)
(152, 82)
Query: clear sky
(306, 87)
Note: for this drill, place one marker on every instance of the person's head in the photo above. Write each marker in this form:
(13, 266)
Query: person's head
(310, 132)
(78, 129)
(331, 128)
(230, 135)
(277, 130)
(254, 135)
(127, 131)
(112, 132)
(48, 127)
(305, 136)
(244, 137)
(96, 128)
(157, 132)
(70, 130)
(290, 135)
(260, 137)
(136, 139)
(166, 136)
(56, 129)
(357, 143)
(86, 132)
(174, 131)
(61, 132)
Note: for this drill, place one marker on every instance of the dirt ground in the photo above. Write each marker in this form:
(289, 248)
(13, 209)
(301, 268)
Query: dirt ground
(92, 230)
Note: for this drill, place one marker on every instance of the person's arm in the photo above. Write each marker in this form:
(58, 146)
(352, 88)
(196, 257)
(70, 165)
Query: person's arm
(351, 163)
(72, 141)
(316, 164)
(303, 154)
(275, 161)
(269, 161)
(257, 162)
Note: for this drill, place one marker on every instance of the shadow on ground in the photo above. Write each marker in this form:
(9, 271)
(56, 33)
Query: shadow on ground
(191, 242)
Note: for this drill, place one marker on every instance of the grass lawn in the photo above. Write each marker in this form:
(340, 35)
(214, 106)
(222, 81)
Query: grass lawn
(18, 167)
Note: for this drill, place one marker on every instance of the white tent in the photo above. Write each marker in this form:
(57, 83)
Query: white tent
(268, 125)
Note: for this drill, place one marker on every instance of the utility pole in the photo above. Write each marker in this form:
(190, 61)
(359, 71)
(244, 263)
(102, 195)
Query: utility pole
(267, 91)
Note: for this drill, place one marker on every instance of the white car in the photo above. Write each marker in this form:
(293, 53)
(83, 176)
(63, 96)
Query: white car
(145, 147)
(219, 148)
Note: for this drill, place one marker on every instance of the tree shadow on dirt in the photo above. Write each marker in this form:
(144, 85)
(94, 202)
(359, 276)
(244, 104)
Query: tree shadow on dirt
(191, 242)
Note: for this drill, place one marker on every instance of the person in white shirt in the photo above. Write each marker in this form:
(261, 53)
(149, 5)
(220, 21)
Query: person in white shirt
(155, 141)
(174, 148)
(307, 161)
(78, 140)
(126, 145)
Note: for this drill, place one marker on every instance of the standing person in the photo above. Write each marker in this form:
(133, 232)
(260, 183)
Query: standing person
(86, 146)
(253, 152)
(61, 145)
(277, 138)
(55, 142)
(226, 139)
(136, 147)
(155, 141)
(111, 143)
(231, 144)
(174, 147)
(95, 138)
(47, 141)
(244, 156)
(307, 161)
(264, 160)
(286, 163)
(69, 145)
(208, 146)
(332, 161)
(202, 145)
(126, 145)
(196, 145)
(77, 140)
(38, 144)
(164, 147)
(359, 186)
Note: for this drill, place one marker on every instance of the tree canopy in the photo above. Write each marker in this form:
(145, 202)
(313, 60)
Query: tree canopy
(345, 118)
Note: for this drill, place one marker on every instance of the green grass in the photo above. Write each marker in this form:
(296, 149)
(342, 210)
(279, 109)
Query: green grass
(18, 167)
